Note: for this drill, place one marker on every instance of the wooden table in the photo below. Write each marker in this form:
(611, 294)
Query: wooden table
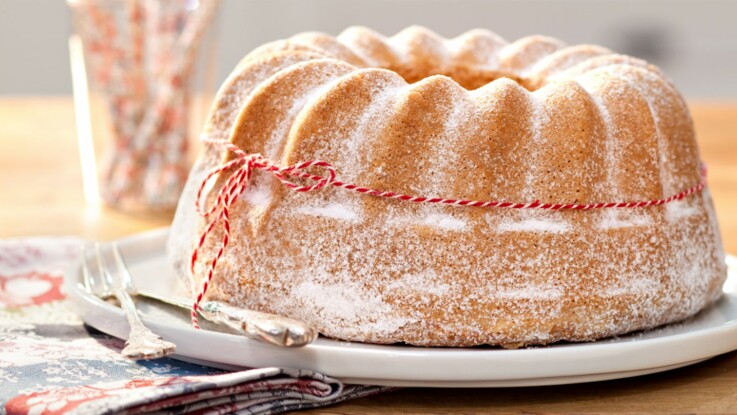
(41, 194)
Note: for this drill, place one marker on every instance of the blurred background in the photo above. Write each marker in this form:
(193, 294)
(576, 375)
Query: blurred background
(693, 41)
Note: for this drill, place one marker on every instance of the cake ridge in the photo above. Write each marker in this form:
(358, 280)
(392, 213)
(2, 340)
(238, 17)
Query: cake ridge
(382, 86)
(664, 115)
(329, 45)
(561, 60)
(526, 51)
(240, 83)
(294, 78)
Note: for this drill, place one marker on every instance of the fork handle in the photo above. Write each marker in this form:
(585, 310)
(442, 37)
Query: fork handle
(271, 328)
(129, 308)
(142, 343)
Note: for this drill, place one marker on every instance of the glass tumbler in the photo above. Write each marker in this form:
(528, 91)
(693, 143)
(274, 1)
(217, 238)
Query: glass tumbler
(143, 79)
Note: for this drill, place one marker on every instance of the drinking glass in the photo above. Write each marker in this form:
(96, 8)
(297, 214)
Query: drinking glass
(143, 77)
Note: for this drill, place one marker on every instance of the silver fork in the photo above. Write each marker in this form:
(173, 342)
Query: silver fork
(142, 343)
(264, 327)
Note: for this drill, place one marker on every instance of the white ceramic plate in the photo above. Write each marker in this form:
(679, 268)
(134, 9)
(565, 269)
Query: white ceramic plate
(712, 332)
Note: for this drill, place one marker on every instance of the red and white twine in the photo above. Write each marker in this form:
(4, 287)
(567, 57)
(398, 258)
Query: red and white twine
(244, 165)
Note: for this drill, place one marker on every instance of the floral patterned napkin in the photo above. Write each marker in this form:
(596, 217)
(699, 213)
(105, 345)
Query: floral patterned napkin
(51, 363)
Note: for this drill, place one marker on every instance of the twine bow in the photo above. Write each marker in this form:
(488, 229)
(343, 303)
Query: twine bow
(244, 164)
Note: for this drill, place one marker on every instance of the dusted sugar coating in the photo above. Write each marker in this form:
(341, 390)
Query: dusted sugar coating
(473, 117)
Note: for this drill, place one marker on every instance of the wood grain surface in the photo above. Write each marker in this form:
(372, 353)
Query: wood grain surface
(41, 194)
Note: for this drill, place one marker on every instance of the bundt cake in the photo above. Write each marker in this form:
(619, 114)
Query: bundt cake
(475, 117)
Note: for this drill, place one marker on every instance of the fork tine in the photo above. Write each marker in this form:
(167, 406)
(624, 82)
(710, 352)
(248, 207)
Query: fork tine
(125, 275)
(89, 283)
(105, 279)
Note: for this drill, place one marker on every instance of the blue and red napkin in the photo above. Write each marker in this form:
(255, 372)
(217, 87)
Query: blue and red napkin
(51, 363)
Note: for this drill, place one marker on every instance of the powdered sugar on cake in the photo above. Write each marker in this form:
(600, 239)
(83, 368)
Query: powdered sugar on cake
(613, 219)
(331, 210)
(534, 225)
(258, 194)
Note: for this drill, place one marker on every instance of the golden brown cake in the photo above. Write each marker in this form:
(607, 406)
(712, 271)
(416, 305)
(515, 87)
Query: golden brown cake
(473, 117)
